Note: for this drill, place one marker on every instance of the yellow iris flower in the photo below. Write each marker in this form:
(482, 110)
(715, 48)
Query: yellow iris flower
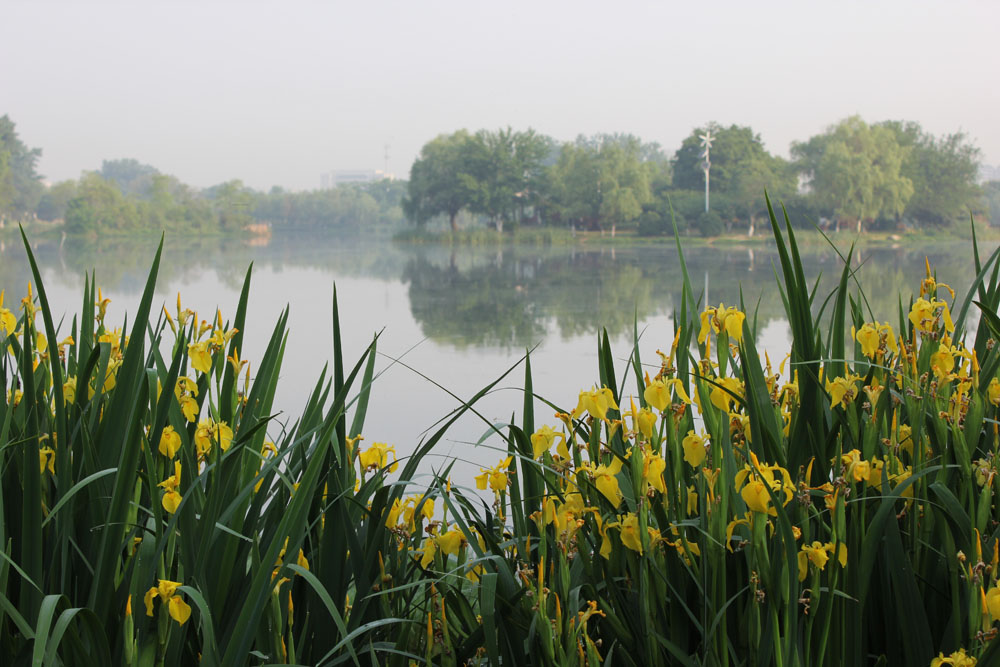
(694, 448)
(210, 431)
(201, 356)
(722, 318)
(185, 385)
(993, 601)
(410, 505)
(605, 480)
(993, 391)
(542, 439)
(755, 495)
(926, 316)
(731, 528)
(645, 422)
(630, 536)
(596, 403)
(179, 610)
(653, 468)
(692, 500)
(871, 337)
(171, 498)
(495, 478)
(818, 554)
(8, 323)
(170, 442)
(722, 392)
(451, 541)
(376, 457)
(69, 389)
(658, 393)
(867, 336)
(47, 459)
(754, 482)
(428, 549)
(957, 659)
(855, 467)
(943, 361)
(842, 390)
(221, 336)
(189, 408)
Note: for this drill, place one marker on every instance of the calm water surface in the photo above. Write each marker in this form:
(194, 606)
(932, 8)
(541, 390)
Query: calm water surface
(461, 317)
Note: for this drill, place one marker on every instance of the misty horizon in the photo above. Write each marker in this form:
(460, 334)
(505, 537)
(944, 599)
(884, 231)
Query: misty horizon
(241, 91)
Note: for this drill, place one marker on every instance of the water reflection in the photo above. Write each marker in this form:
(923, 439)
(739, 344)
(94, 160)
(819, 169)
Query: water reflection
(507, 298)
(513, 297)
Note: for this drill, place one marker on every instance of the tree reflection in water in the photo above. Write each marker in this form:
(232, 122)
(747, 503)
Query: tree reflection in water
(505, 297)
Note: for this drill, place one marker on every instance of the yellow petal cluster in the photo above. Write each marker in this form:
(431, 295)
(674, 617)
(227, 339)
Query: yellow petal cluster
(596, 403)
(178, 609)
(494, 478)
(658, 393)
(818, 554)
(694, 448)
(211, 432)
(723, 391)
(721, 319)
(843, 390)
(376, 457)
(874, 338)
(170, 442)
(542, 439)
(756, 483)
(928, 315)
(171, 498)
(957, 659)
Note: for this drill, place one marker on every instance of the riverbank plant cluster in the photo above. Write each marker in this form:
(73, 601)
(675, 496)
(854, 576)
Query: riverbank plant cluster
(832, 507)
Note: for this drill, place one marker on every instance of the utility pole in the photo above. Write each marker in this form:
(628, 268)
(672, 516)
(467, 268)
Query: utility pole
(706, 144)
(385, 164)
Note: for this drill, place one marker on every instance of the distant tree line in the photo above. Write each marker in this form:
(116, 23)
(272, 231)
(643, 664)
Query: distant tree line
(357, 206)
(887, 175)
(884, 175)
(126, 196)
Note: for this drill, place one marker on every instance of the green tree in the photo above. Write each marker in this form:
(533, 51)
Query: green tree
(623, 182)
(649, 152)
(20, 184)
(100, 208)
(53, 202)
(855, 171)
(741, 168)
(232, 203)
(441, 179)
(171, 205)
(507, 168)
(602, 182)
(354, 207)
(387, 193)
(576, 198)
(131, 176)
(943, 171)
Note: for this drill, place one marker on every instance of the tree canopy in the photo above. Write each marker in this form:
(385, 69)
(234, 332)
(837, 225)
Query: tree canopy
(20, 184)
(441, 178)
(741, 168)
(856, 170)
(888, 174)
(943, 172)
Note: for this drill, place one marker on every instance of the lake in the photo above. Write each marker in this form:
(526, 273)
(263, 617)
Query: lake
(459, 317)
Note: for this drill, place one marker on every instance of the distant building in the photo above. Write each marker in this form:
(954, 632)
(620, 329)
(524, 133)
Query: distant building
(341, 176)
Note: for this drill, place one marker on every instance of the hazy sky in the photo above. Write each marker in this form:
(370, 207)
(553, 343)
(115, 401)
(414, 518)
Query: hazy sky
(276, 93)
